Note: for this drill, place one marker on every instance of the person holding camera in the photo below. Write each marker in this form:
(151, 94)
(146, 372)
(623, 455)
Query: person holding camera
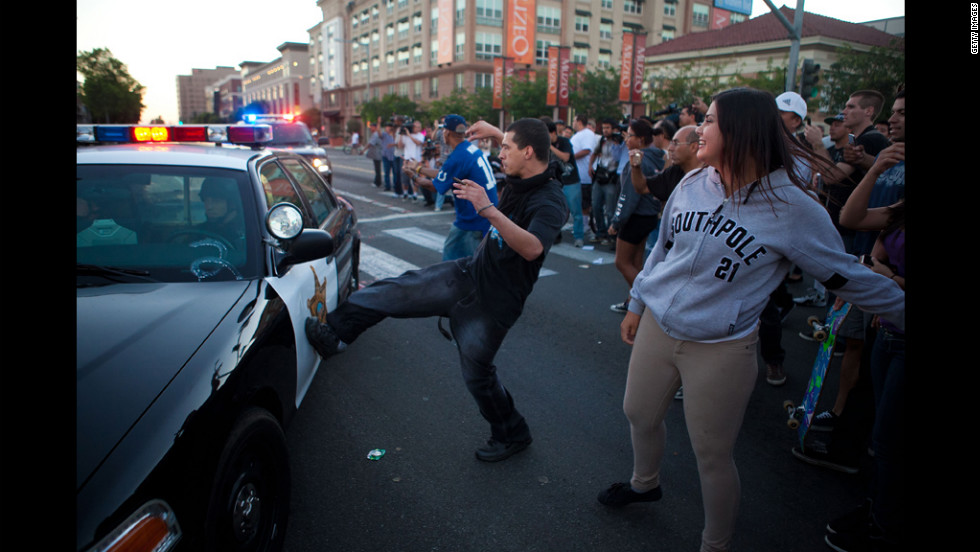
(605, 177)
(412, 141)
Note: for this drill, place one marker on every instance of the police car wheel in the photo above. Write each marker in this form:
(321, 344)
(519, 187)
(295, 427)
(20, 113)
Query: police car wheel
(249, 504)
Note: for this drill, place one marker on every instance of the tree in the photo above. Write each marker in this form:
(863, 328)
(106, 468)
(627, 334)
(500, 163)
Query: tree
(108, 91)
(527, 98)
(881, 69)
(389, 106)
(772, 80)
(472, 106)
(680, 86)
(596, 94)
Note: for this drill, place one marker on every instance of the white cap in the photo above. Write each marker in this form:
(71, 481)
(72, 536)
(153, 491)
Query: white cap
(793, 102)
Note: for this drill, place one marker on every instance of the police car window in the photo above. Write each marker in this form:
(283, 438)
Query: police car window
(291, 134)
(312, 187)
(175, 223)
(277, 186)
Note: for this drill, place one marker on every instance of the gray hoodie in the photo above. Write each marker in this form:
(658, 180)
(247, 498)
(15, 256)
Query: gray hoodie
(717, 260)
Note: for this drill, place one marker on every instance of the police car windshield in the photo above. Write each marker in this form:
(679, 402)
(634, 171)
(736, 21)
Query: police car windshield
(290, 135)
(170, 224)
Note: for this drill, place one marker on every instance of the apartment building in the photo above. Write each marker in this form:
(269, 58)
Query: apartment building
(425, 49)
(282, 85)
(192, 91)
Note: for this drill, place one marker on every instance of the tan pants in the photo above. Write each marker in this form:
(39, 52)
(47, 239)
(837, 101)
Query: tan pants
(718, 379)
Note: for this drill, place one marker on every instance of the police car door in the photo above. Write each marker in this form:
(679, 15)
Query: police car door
(308, 289)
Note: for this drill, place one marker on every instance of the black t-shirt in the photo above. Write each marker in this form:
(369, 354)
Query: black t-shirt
(873, 142)
(503, 278)
(661, 185)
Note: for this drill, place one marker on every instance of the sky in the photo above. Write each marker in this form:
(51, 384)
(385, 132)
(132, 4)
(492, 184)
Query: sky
(160, 40)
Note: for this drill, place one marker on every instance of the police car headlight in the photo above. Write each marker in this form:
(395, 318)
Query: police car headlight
(284, 221)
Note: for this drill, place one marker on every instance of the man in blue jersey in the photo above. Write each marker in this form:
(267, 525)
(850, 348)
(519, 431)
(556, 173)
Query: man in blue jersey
(466, 162)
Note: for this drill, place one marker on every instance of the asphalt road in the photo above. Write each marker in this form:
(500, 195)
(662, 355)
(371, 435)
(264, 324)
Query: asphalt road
(398, 388)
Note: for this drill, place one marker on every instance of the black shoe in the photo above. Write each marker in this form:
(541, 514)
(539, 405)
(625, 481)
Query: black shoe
(817, 455)
(323, 338)
(857, 520)
(495, 451)
(621, 494)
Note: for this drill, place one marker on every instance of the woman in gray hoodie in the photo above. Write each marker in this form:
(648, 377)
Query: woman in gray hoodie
(730, 234)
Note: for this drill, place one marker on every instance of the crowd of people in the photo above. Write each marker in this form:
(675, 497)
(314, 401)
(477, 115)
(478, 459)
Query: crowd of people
(710, 214)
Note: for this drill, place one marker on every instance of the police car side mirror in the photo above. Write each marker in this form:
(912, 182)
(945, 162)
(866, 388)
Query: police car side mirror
(298, 244)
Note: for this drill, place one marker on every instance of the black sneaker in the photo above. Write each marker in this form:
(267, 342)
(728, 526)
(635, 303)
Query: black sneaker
(817, 455)
(621, 494)
(823, 421)
(857, 520)
(323, 338)
(495, 451)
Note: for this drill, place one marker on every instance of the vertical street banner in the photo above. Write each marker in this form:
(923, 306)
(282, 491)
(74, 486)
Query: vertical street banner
(564, 73)
(552, 97)
(639, 46)
(498, 83)
(626, 68)
(521, 22)
(445, 32)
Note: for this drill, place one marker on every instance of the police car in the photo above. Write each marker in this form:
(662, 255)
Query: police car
(200, 253)
(291, 135)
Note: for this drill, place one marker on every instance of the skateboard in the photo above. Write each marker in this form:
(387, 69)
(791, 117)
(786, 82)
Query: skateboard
(825, 332)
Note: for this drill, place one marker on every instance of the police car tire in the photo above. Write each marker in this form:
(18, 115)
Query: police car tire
(249, 504)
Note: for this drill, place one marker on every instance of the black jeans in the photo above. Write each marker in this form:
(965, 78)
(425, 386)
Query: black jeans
(447, 290)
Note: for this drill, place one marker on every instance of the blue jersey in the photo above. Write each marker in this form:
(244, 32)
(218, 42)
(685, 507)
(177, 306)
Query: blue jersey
(467, 162)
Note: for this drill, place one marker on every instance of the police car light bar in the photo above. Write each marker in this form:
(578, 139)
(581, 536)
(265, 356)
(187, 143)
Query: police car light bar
(134, 134)
(270, 117)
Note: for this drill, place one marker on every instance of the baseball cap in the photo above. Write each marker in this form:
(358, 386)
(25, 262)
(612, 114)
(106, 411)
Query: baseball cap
(456, 123)
(838, 117)
(793, 102)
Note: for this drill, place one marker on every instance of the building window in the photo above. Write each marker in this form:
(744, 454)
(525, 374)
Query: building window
(607, 4)
(390, 32)
(390, 60)
(487, 45)
(700, 15)
(605, 30)
(417, 88)
(489, 12)
(417, 22)
(670, 10)
(581, 24)
(417, 54)
(434, 52)
(667, 34)
(541, 51)
(483, 80)
(434, 21)
(460, 12)
(403, 89)
(549, 19)
(604, 61)
(460, 46)
(580, 55)
(459, 81)
(632, 6)
(434, 87)
(403, 28)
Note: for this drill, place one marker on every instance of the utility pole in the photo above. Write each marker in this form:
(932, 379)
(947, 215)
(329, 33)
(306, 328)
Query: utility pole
(795, 29)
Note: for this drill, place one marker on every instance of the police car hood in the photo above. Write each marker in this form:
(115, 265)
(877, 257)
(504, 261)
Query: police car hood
(131, 340)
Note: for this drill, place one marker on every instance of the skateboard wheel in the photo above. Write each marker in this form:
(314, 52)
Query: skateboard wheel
(793, 423)
(788, 405)
(811, 320)
(820, 335)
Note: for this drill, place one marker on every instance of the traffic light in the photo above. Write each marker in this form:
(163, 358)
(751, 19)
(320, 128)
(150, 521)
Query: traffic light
(809, 78)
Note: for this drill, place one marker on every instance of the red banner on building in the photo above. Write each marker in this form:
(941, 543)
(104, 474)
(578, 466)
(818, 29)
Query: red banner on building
(552, 98)
(521, 22)
(445, 32)
(639, 46)
(564, 73)
(498, 83)
(626, 68)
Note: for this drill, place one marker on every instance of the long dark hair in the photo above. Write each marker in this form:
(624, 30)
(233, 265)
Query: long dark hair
(753, 131)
